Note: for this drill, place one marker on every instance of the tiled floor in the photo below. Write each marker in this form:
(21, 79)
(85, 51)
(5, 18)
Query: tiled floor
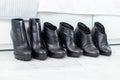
(83, 68)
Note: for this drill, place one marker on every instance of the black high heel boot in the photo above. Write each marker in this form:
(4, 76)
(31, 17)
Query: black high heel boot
(37, 44)
(21, 46)
(66, 33)
(52, 41)
(100, 39)
(84, 40)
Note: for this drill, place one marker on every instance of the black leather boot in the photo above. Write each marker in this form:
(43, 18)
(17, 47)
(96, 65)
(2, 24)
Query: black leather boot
(21, 46)
(66, 33)
(100, 39)
(52, 41)
(37, 44)
(84, 40)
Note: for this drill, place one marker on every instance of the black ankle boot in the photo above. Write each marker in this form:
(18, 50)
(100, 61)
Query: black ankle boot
(22, 49)
(84, 40)
(52, 41)
(37, 44)
(100, 39)
(66, 33)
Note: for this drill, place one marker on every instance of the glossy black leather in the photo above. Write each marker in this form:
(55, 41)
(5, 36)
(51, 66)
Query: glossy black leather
(51, 38)
(37, 44)
(84, 40)
(100, 39)
(67, 36)
(21, 46)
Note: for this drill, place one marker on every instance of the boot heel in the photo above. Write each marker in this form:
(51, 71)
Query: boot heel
(23, 58)
(61, 42)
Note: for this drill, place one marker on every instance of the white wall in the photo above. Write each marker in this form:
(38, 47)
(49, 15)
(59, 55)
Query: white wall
(111, 24)
(73, 19)
(5, 27)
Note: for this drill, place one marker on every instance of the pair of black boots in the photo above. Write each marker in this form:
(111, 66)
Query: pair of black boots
(26, 48)
(51, 41)
(92, 42)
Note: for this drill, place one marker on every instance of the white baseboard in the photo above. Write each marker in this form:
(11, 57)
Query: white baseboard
(114, 41)
(6, 46)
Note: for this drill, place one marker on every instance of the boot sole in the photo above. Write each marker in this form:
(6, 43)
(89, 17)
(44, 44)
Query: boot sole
(41, 57)
(74, 55)
(88, 54)
(55, 55)
(58, 57)
(106, 54)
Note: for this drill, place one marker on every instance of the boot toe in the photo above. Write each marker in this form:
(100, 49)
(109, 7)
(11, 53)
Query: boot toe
(40, 55)
(106, 52)
(57, 53)
(94, 53)
(75, 53)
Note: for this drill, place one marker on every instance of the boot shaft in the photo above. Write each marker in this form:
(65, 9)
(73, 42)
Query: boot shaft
(50, 35)
(100, 39)
(83, 33)
(18, 32)
(99, 34)
(35, 33)
(66, 32)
